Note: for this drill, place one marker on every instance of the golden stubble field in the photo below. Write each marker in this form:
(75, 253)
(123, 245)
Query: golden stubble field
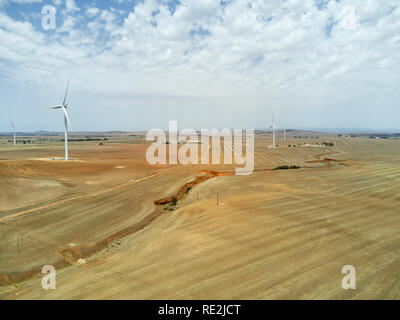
(275, 234)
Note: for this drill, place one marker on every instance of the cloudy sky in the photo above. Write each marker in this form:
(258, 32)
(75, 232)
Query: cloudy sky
(210, 63)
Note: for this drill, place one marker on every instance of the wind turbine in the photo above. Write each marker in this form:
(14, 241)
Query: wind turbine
(284, 134)
(273, 126)
(66, 119)
(13, 128)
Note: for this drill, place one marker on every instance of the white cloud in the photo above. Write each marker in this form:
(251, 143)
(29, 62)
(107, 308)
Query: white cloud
(275, 52)
(347, 18)
(92, 11)
(71, 6)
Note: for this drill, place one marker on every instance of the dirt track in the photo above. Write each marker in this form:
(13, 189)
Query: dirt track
(275, 234)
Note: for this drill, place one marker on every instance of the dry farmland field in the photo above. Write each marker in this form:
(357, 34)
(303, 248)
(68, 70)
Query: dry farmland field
(116, 227)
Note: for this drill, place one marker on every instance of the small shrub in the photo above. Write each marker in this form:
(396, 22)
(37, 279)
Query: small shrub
(285, 167)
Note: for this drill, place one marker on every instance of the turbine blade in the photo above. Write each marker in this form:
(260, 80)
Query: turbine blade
(66, 92)
(66, 117)
(56, 107)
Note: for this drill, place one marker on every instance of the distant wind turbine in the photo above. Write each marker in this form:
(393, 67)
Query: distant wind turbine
(13, 128)
(273, 127)
(284, 134)
(66, 119)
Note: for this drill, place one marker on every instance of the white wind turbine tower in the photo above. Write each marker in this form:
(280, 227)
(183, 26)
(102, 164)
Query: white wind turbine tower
(13, 128)
(66, 120)
(274, 127)
(284, 134)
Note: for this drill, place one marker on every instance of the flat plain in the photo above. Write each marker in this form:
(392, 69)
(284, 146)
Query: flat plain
(106, 221)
